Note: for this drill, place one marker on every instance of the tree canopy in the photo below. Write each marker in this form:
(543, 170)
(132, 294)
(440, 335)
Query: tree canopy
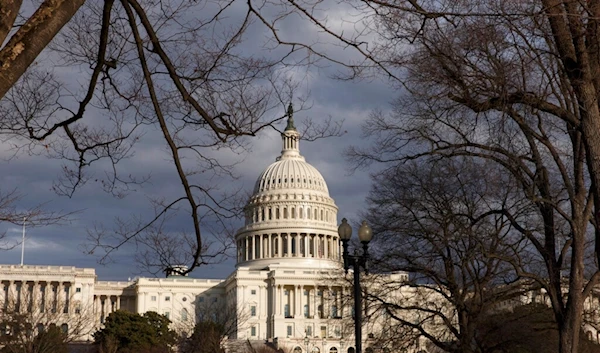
(128, 332)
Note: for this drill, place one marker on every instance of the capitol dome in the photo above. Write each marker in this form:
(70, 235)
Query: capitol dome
(290, 173)
(290, 216)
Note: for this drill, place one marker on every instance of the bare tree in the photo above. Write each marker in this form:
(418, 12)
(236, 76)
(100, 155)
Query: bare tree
(515, 83)
(177, 68)
(442, 222)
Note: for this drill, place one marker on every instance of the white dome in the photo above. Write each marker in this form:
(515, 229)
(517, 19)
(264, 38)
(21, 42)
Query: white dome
(290, 174)
(290, 217)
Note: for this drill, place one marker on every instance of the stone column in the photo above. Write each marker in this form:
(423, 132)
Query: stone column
(273, 295)
(62, 297)
(316, 301)
(281, 299)
(310, 299)
(246, 243)
(326, 302)
(279, 245)
(106, 307)
(342, 301)
(35, 296)
(306, 245)
(301, 300)
(9, 294)
(18, 298)
(296, 302)
(43, 297)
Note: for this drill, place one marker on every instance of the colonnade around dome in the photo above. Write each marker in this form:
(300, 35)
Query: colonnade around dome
(288, 245)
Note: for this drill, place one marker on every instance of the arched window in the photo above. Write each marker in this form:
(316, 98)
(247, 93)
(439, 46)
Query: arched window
(316, 214)
(277, 213)
(351, 350)
(333, 350)
(285, 215)
(297, 350)
(308, 214)
(300, 213)
(270, 214)
(321, 214)
(293, 212)
(262, 211)
(64, 328)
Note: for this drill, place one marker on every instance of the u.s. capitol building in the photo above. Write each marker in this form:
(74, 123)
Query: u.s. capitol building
(287, 288)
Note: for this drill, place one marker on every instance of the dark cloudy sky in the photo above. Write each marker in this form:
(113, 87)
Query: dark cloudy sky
(33, 177)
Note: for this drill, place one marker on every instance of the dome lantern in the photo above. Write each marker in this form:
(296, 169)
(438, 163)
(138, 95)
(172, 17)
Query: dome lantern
(290, 137)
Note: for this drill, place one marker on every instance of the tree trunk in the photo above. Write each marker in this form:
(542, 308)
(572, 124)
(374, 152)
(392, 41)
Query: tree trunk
(568, 333)
(29, 41)
(9, 9)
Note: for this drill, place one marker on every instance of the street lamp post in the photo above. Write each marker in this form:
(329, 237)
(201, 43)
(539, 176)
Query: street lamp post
(356, 261)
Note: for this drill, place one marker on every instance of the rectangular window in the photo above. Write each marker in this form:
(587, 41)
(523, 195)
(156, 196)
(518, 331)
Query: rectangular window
(167, 298)
(289, 330)
(167, 314)
(153, 298)
(77, 290)
(309, 331)
(323, 331)
(253, 292)
(215, 299)
(253, 310)
(253, 331)
(184, 315)
(286, 310)
(305, 310)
